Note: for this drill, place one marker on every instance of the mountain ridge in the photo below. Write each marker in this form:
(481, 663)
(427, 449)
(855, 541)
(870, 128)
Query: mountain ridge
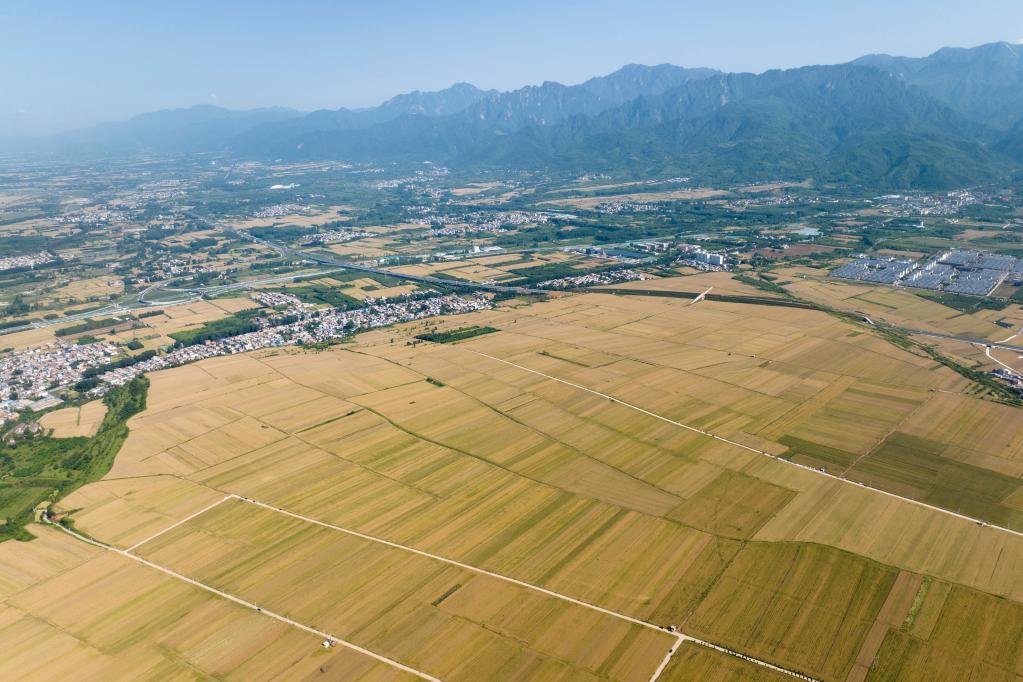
(951, 118)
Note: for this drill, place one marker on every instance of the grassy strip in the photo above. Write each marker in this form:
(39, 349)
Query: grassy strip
(456, 335)
(44, 468)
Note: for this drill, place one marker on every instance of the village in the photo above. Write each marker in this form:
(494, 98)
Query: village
(27, 261)
(29, 379)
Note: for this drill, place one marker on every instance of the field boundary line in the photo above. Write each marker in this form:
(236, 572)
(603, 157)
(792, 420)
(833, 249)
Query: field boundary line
(184, 520)
(454, 562)
(249, 605)
(679, 637)
(819, 472)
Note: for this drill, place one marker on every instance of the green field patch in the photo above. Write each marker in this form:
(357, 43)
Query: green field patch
(916, 467)
(977, 636)
(816, 455)
(44, 468)
(802, 606)
(320, 293)
(223, 328)
(733, 504)
(16, 498)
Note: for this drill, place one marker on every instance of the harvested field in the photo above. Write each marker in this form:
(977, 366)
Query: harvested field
(68, 422)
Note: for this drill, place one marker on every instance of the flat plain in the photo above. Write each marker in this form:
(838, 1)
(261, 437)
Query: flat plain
(546, 502)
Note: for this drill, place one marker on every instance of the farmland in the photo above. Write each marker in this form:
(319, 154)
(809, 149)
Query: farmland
(541, 502)
(82, 420)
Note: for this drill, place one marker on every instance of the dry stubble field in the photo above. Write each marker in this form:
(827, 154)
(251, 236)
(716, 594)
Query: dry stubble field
(443, 450)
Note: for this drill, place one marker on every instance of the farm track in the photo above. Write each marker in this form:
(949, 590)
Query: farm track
(764, 453)
(679, 637)
(247, 604)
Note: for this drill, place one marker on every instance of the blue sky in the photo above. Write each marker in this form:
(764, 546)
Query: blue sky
(70, 63)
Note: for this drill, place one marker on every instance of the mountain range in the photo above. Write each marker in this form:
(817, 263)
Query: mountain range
(950, 119)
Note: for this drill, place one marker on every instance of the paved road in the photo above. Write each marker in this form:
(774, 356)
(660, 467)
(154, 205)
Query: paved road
(965, 339)
(199, 292)
(819, 472)
(142, 302)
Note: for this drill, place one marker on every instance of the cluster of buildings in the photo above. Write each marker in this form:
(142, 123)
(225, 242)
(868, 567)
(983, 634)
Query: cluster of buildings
(608, 253)
(768, 200)
(276, 299)
(956, 271)
(313, 326)
(419, 178)
(615, 207)
(28, 376)
(29, 261)
(278, 210)
(942, 204)
(877, 270)
(481, 221)
(334, 237)
(167, 268)
(698, 257)
(1010, 377)
(653, 247)
(101, 215)
(593, 279)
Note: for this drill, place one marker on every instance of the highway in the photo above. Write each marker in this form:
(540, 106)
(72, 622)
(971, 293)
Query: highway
(424, 279)
(142, 302)
(964, 339)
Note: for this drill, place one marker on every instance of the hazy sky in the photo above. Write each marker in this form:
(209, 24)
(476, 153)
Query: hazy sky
(72, 63)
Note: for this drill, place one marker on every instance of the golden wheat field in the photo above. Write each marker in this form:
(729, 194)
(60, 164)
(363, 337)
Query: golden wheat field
(557, 500)
(68, 422)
